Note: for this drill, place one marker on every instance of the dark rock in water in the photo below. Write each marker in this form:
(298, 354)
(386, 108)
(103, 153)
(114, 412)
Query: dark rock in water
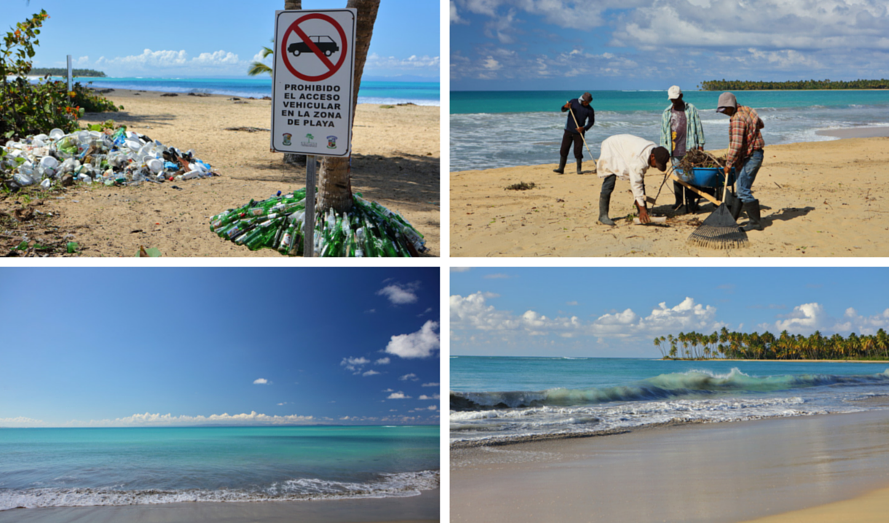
(169, 94)
(459, 403)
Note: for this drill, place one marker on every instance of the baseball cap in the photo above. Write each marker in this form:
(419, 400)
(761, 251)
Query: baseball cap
(661, 157)
(674, 92)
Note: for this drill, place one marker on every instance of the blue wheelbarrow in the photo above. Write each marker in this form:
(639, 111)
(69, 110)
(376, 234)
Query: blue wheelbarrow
(704, 180)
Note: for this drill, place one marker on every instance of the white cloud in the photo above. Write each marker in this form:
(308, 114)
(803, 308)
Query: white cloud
(809, 317)
(149, 419)
(260, 381)
(398, 396)
(399, 294)
(412, 63)
(387, 390)
(571, 303)
(491, 64)
(473, 313)
(432, 407)
(430, 385)
(370, 373)
(805, 317)
(425, 397)
(411, 376)
(148, 61)
(455, 17)
(420, 344)
(20, 421)
(460, 269)
(382, 361)
(354, 364)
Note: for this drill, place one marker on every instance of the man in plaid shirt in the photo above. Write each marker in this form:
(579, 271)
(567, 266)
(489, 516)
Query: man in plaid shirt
(745, 153)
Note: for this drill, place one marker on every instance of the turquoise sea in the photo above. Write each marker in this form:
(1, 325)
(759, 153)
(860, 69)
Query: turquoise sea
(44, 467)
(420, 93)
(508, 128)
(511, 397)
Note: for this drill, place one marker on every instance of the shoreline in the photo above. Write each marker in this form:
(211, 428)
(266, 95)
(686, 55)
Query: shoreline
(787, 361)
(806, 210)
(714, 473)
(422, 508)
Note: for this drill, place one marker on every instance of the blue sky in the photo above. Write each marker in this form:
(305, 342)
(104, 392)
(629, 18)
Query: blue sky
(203, 38)
(652, 44)
(127, 347)
(617, 312)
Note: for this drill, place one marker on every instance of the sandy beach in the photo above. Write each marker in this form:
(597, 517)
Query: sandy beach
(720, 473)
(415, 509)
(819, 199)
(396, 153)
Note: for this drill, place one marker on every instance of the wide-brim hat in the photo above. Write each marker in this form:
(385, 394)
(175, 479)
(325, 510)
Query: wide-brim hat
(726, 100)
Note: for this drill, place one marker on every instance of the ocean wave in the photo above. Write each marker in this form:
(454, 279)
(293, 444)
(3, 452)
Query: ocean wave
(520, 424)
(665, 386)
(403, 484)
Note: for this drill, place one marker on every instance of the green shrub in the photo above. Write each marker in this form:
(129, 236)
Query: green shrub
(27, 108)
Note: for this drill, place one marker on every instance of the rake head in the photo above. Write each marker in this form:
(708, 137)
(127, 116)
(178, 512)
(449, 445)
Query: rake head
(719, 231)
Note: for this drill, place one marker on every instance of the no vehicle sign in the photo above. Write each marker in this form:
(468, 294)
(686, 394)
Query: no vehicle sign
(313, 80)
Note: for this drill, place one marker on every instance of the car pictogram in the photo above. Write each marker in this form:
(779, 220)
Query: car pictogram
(324, 43)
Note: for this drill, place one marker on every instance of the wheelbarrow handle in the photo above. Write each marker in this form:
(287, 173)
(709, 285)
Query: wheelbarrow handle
(675, 178)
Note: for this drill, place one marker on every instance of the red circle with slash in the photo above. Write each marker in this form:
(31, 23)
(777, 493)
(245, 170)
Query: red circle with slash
(331, 67)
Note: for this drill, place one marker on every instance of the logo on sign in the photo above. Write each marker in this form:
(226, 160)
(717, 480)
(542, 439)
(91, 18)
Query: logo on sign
(287, 137)
(331, 142)
(309, 142)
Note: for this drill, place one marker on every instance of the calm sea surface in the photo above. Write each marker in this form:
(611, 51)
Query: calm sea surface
(503, 398)
(127, 466)
(508, 128)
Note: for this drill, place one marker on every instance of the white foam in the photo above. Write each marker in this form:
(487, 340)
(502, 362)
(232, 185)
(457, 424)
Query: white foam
(389, 485)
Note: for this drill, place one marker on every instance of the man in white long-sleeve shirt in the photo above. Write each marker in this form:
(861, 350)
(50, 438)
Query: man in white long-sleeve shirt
(628, 157)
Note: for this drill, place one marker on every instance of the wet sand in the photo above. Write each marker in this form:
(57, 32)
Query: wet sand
(719, 473)
(819, 199)
(423, 508)
(396, 157)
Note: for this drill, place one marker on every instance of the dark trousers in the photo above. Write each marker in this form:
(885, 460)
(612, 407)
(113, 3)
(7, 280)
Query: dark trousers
(608, 184)
(569, 137)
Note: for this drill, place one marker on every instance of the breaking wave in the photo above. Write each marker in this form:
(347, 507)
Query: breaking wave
(403, 484)
(695, 383)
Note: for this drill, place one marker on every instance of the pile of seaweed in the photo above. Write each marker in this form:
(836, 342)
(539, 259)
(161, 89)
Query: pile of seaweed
(698, 158)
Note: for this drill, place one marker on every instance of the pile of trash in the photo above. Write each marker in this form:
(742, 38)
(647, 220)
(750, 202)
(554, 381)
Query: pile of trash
(109, 156)
(368, 230)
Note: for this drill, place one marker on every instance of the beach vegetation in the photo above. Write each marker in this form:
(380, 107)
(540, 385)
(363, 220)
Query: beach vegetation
(257, 68)
(27, 108)
(63, 71)
(521, 186)
(766, 346)
(791, 85)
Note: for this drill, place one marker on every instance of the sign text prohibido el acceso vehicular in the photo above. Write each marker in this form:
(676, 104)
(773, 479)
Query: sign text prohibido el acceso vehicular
(313, 81)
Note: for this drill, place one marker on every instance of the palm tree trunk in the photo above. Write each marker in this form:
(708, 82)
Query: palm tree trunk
(334, 180)
(291, 158)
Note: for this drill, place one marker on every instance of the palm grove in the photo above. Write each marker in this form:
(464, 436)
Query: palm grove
(766, 346)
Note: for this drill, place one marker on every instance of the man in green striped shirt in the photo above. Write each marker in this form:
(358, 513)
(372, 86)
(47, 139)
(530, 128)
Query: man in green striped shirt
(681, 131)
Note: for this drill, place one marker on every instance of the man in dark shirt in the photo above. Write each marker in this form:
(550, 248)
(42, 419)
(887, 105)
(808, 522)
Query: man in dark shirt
(575, 129)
